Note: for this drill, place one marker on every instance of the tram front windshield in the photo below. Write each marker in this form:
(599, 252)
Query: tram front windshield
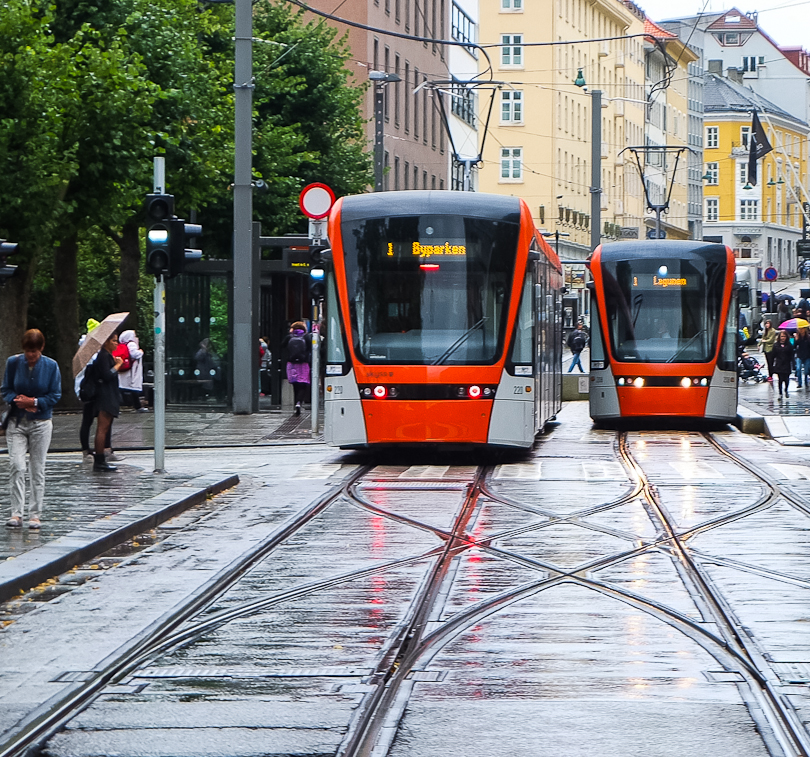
(663, 311)
(429, 289)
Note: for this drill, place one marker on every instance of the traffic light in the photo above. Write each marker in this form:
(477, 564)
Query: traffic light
(319, 257)
(6, 249)
(179, 254)
(159, 212)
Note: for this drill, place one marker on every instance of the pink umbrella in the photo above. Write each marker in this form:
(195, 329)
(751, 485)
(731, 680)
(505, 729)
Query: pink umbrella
(794, 323)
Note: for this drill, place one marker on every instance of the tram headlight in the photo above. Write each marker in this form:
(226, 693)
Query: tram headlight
(367, 392)
(686, 383)
(380, 392)
(704, 382)
(638, 382)
(474, 392)
(621, 382)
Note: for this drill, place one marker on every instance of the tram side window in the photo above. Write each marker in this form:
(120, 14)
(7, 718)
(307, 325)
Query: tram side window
(335, 352)
(598, 361)
(522, 346)
(728, 352)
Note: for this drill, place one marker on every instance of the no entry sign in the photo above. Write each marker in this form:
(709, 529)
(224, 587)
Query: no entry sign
(316, 200)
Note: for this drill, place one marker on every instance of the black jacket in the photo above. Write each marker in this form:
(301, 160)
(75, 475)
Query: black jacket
(783, 358)
(108, 397)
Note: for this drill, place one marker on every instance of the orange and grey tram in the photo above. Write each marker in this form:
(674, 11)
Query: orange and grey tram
(442, 322)
(663, 331)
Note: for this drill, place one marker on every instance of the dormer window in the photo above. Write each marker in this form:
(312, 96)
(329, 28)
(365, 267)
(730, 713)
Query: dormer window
(731, 38)
(732, 19)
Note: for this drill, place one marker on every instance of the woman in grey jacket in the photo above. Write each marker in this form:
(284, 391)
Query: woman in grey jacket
(31, 387)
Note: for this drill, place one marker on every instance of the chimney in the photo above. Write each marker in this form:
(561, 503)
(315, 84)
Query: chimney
(735, 74)
(715, 67)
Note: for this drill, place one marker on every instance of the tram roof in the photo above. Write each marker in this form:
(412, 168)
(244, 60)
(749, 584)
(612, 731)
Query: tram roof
(429, 202)
(665, 248)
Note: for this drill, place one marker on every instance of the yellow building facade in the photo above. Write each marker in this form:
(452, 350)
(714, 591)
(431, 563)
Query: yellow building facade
(761, 221)
(538, 144)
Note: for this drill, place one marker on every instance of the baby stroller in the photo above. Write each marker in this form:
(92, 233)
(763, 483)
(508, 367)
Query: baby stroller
(748, 368)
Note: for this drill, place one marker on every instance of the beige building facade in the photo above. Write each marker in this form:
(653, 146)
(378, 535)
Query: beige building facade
(539, 142)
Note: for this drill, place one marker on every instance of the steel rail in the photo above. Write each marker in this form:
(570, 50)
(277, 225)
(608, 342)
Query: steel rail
(54, 714)
(780, 715)
(371, 716)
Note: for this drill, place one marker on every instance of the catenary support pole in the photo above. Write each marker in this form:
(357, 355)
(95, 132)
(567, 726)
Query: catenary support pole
(596, 168)
(245, 338)
(159, 388)
(315, 378)
(379, 155)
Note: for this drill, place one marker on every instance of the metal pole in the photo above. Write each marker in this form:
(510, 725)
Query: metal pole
(159, 400)
(596, 168)
(244, 339)
(159, 387)
(315, 378)
(658, 220)
(379, 155)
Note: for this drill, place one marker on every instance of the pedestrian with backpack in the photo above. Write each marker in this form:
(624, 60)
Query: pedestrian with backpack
(577, 341)
(130, 374)
(299, 356)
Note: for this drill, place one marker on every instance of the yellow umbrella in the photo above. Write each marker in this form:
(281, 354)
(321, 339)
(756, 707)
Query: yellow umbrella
(95, 340)
(794, 323)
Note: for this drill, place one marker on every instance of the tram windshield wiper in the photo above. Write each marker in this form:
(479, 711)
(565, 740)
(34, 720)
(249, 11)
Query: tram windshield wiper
(685, 346)
(463, 338)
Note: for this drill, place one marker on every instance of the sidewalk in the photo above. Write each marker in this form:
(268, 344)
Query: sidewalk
(184, 428)
(87, 513)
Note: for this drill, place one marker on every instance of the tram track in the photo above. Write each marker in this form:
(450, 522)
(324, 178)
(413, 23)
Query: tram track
(51, 717)
(781, 717)
(421, 634)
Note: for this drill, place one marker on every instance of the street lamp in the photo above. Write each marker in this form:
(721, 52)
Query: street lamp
(380, 79)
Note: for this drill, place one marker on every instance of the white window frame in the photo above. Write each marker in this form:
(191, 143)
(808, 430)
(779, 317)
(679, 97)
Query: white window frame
(713, 169)
(712, 137)
(511, 165)
(511, 51)
(742, 170)
(712, 214)
(749, 210)
(511, 6)
(745, 133)
(512, 107)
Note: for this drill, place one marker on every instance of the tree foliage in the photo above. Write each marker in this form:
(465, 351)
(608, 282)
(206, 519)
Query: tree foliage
(92, 90)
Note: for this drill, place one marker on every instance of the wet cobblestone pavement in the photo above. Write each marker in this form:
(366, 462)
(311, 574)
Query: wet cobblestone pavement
(75, 496)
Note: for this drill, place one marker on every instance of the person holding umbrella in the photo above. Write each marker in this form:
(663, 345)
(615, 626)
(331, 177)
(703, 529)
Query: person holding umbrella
(108, 399)
(802, 346)
(95, 356)
(31, 387)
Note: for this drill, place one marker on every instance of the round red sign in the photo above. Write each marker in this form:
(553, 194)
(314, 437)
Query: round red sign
(316, 200)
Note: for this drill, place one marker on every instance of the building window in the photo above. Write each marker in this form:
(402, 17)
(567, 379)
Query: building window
(512, 50)
(416, 106)
(743, 164)
(744, 132)
(396, 172)
(406, 175)
(712, 137)
(514, 6)
(713, 172)
(462, 103)
(712, 209)
(463, 28)
(749, 210)
(396, 92)
(406, 86)
(512, 106)
(749, 63)
(511, 164)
